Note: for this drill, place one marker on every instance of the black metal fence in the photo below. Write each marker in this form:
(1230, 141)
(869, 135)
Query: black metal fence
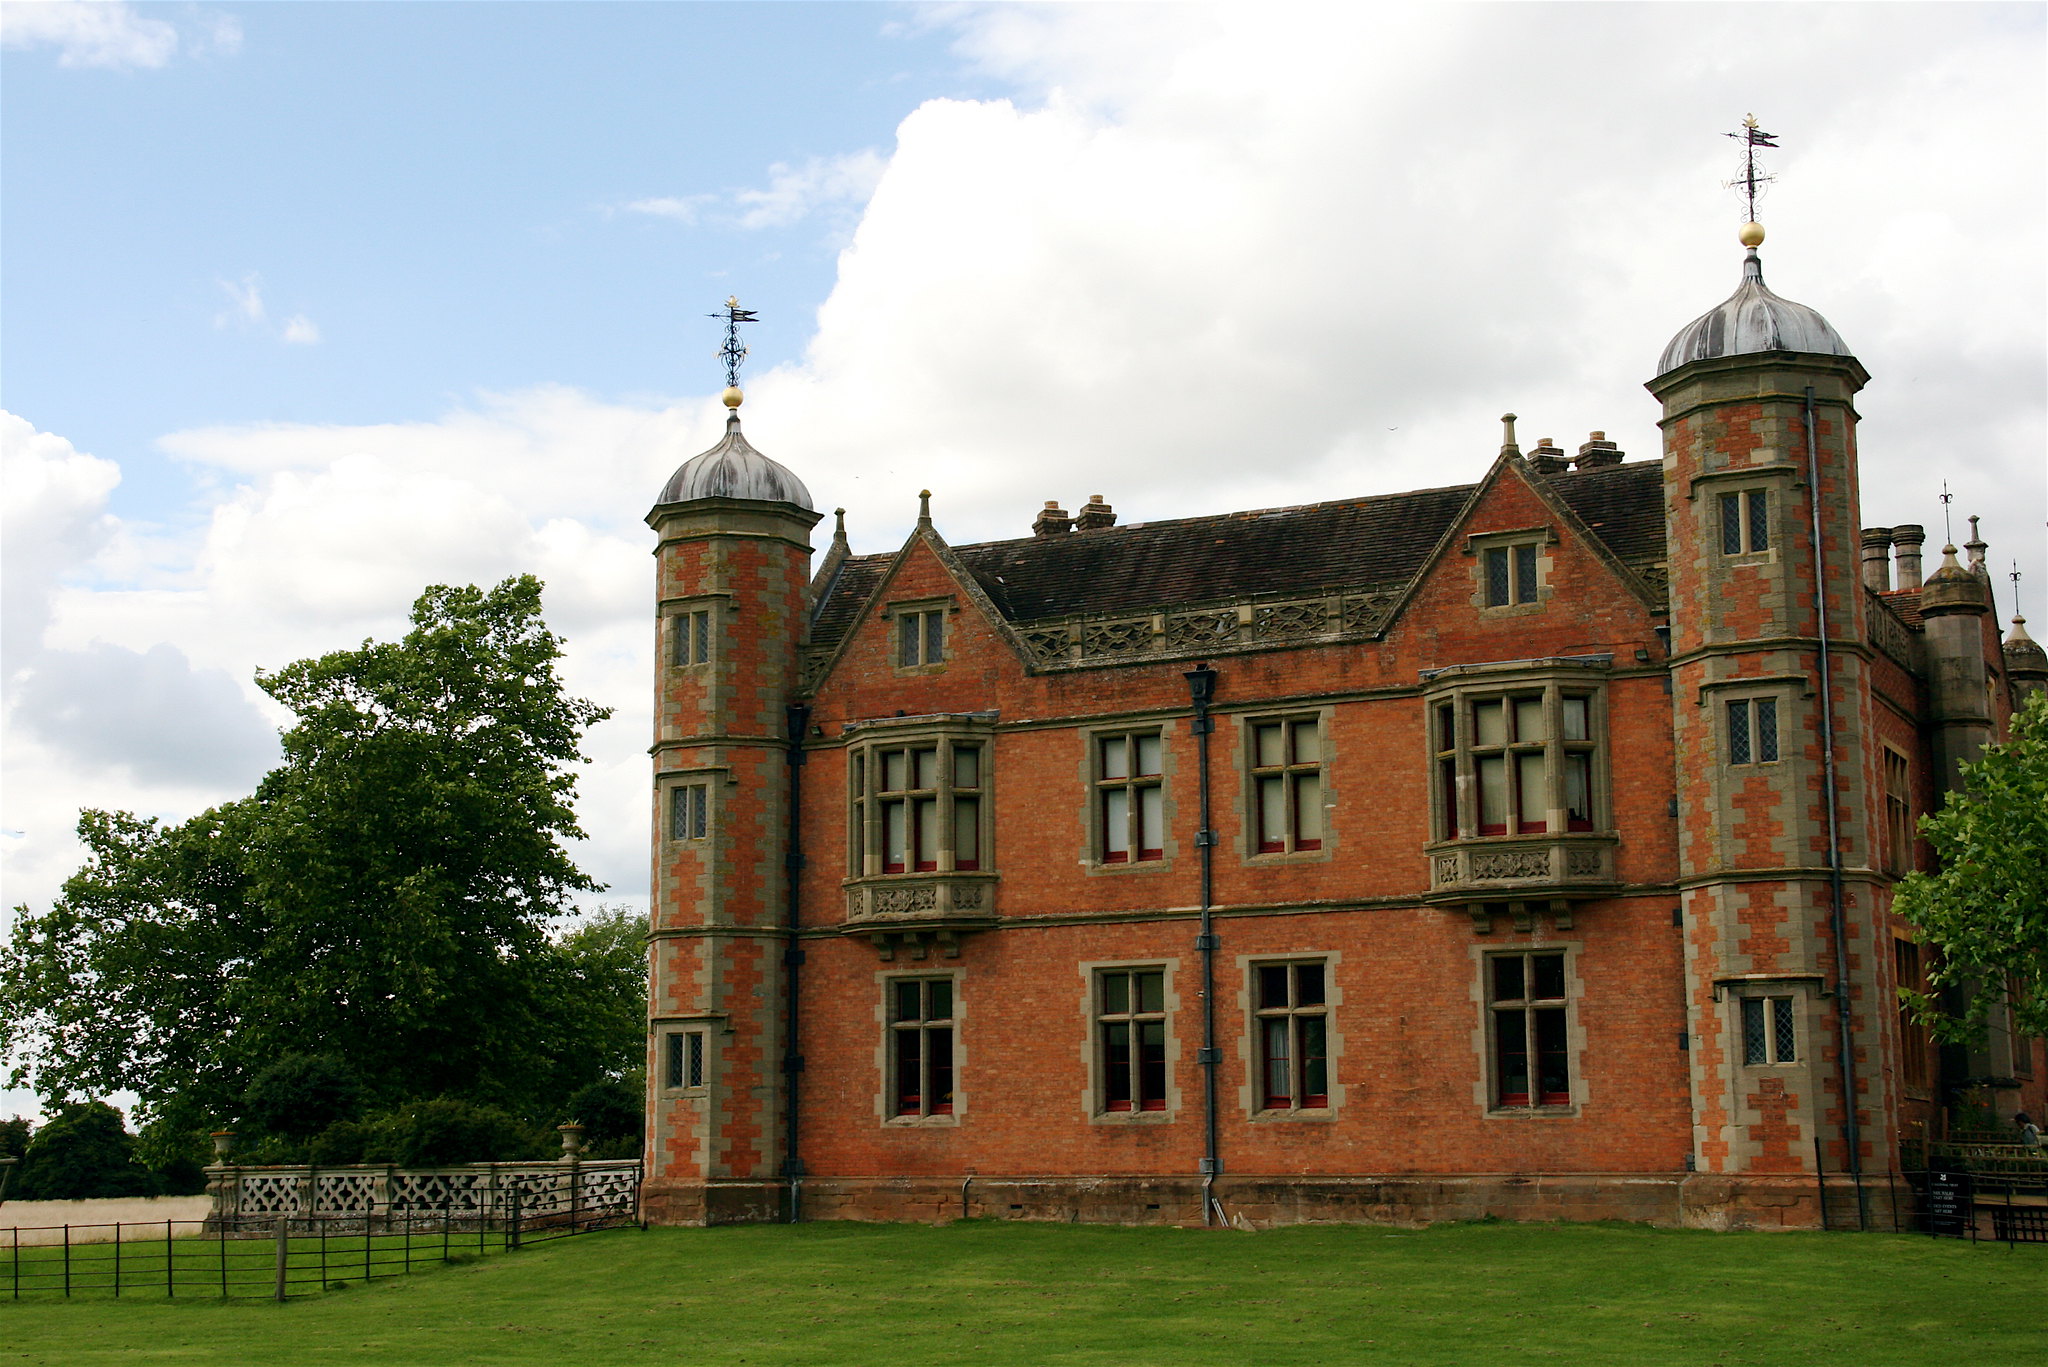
(287, 1255)
(1985, 1187)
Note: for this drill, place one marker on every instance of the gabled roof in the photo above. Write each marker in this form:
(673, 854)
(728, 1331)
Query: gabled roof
(1380, 542)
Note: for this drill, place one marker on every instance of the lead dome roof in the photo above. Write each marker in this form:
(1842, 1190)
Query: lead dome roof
(734, 469)
(1752, 320)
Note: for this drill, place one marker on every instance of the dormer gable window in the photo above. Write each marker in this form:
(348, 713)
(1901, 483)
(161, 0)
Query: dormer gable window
(917, 633)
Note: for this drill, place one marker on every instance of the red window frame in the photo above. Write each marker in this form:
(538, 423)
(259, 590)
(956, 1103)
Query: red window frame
(1291, 1012)
(1131, 1024)
(921, 1026)
(1287, 784)
(1530, 1029)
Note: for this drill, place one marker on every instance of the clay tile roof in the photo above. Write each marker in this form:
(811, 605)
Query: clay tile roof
(1905, 603)
(1623, 504)
(844, 596)
(1359, 543)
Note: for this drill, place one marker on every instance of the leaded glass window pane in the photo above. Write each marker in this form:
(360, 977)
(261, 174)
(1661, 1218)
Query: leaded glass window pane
(1525, 574)
(1496, 577)
(1755, 1043)
(1759, 520)
(1738, 732)
(1766, 729)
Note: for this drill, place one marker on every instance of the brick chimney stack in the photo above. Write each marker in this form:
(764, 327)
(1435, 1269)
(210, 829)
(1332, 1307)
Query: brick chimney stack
(1053, 521)
(1548, 458)
(1597, 451)
(1095, 516)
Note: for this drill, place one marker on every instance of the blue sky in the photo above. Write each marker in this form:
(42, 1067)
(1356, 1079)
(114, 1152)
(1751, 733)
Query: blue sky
(439, 189)
(307, 306)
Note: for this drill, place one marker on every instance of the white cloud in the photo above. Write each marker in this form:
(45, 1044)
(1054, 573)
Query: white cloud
(793, 193)
(245, 299)
(669, 206)
(796, 192)
(247, 308)
(134, 688)
(53, 498)
(112, 35)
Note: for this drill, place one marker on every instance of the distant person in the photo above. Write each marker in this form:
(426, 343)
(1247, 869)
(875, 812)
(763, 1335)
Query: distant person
(2030, 1133)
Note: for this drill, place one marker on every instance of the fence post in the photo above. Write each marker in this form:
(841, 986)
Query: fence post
(284, 1236)
(117, 1260)
(512, 1227)
(170, 1281)
(67, 1261)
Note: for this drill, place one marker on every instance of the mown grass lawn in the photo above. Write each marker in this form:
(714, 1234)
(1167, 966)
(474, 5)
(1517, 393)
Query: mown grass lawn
(1002, 1293)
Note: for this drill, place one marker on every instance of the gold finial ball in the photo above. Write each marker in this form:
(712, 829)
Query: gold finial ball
(732, 398)
(1752, 234)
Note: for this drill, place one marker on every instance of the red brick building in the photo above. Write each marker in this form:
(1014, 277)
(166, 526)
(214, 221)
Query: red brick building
(1411, 856)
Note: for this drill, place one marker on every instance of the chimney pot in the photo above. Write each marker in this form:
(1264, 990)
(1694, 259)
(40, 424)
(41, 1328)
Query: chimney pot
(1095, 516)
(1548, 458)
(1877, 559)
(1906, 542)
(1052, 521)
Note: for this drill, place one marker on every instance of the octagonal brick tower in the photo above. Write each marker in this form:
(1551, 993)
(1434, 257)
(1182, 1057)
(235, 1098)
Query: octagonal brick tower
(1744, 387)
(730, 597)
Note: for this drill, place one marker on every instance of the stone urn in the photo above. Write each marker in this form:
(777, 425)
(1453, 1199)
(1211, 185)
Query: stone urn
(223, 1144)
(572, 1139)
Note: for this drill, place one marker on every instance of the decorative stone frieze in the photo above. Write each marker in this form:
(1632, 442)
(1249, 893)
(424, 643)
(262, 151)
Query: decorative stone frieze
(1554, 865)
(957, 901)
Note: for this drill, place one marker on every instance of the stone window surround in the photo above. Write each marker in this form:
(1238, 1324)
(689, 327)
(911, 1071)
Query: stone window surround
(946, 604)
(674, 615)
(1249, 1099)
(710, 1025)
(1091, 1094)
(1773, 477)
(885, 1053)
(1767, 1004)
(1542, 536)
(709, 777)
(1248, 791)
(673, 1032)
(866, 857)
(1556, 677)
(1717, 696)
(1805, 990)
(1094, 786)
(1485, 1086)
(1900, 828)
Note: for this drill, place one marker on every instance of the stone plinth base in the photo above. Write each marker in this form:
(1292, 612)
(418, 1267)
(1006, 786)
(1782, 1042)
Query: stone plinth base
(1675, 1200)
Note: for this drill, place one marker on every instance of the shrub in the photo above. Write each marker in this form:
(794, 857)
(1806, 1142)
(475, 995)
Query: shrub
(85, 1152)
(445, 1130)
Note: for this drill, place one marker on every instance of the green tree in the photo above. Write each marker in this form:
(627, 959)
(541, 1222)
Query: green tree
(85, 1152)
(302, 1094)
(14, 1136)
(1987, 908)
(383, 897)
(600, 992)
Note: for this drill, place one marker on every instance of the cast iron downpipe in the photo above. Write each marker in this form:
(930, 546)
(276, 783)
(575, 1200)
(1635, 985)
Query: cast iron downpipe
(792, 961)
(1202, 692)
(1837, 920)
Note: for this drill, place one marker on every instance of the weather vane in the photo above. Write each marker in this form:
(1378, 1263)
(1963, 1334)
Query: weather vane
(733, 351)
(1752, 181)
(1948, 520)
